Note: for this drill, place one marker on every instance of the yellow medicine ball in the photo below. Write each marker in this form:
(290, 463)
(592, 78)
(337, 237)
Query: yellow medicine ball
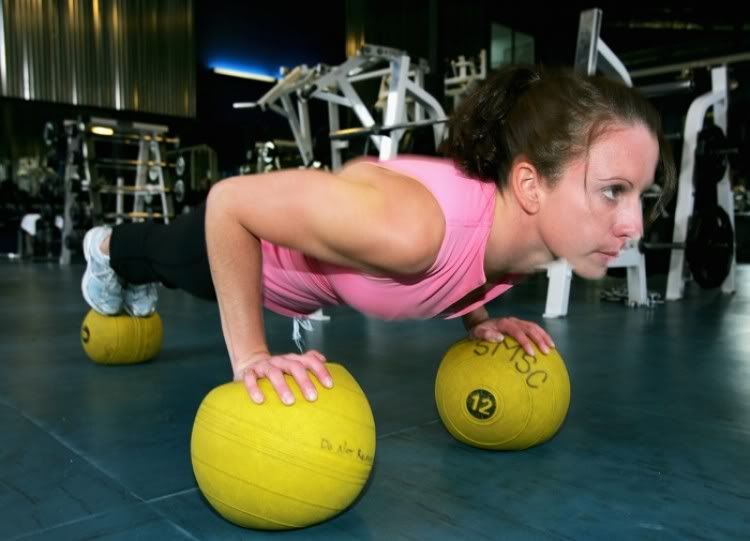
(121, 339)
(497, 396)
(273, 467)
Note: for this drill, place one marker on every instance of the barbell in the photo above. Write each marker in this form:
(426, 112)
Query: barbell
(712, 154)
(709, 246)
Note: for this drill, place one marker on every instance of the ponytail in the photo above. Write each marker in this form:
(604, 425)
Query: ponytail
(550, 117)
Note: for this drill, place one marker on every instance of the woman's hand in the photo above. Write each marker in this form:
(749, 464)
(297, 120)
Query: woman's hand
(273, 367)
(524, 332)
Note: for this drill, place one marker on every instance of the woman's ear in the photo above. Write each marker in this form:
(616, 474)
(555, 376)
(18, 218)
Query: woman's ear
(526, 185)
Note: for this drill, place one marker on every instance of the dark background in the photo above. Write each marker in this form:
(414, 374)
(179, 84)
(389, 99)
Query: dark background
(262, 36)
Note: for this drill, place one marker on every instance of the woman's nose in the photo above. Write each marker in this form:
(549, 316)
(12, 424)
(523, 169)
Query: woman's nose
(630, 221)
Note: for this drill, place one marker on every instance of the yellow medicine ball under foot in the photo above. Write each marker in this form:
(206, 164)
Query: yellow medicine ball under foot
(121, 339)
(271, 466)
(497, 396)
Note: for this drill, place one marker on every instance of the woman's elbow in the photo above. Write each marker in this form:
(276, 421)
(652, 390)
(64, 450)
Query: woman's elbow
(220, 197)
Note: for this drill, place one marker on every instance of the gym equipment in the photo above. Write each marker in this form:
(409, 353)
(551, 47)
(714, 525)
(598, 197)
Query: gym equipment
(143, 215)
(149, 167)
(354, 133)
(708, 247)
(464, 76)
(405, 81)
(84, 173)
(196, 170)
(712, 153)
(31, 200)
(179, 167)
(128, 164)
(121, 339)
(709, 243)
(703, 152)
(663, 89)
(275, 155)
(271, 466)
(132, 138)
(497, 396)
(38, 235)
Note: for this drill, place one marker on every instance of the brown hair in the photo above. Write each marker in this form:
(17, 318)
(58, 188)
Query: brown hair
(551, 117)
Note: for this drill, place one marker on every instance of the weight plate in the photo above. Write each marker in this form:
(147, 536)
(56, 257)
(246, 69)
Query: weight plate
(179, 166)
(709, 247)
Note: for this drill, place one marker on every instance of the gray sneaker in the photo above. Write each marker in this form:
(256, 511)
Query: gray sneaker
(140, 301)
(100, 285)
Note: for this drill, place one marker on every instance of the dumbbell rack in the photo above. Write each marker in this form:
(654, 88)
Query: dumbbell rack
(196, 169)
(85, 165)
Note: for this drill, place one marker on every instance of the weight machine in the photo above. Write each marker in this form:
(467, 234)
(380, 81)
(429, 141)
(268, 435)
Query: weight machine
(465, 74)
(403, 79)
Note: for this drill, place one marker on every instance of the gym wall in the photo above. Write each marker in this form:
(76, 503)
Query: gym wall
(136, 55)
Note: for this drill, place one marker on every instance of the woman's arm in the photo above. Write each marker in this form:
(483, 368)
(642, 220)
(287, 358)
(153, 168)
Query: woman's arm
(475, 317)
(388, 228)
(234, 256)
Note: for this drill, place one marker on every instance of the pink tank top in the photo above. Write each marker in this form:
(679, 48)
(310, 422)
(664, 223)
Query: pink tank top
(296, 285)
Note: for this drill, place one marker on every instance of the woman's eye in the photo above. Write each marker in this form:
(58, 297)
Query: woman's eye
(612, 192)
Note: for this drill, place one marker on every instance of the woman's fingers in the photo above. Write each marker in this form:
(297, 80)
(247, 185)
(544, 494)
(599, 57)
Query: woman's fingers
(298, 371)
(274, 368)
(315, 363)
(275, 375)
(251, 384)
(526, 333)
(316, 354)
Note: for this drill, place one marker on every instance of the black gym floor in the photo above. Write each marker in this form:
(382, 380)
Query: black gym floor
(656, 444)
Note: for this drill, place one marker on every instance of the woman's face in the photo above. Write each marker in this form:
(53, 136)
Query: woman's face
(595, 207)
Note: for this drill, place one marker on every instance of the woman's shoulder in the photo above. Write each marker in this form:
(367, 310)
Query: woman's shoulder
(436, 181)
(391, 177)
(412, 209)
(439, 176)
(410, 165)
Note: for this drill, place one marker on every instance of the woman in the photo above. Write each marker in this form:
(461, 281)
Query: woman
(541, 166)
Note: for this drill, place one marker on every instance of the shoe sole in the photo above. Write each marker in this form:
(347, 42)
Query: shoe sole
(130, 312)
(87, 239)
(128, 307)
